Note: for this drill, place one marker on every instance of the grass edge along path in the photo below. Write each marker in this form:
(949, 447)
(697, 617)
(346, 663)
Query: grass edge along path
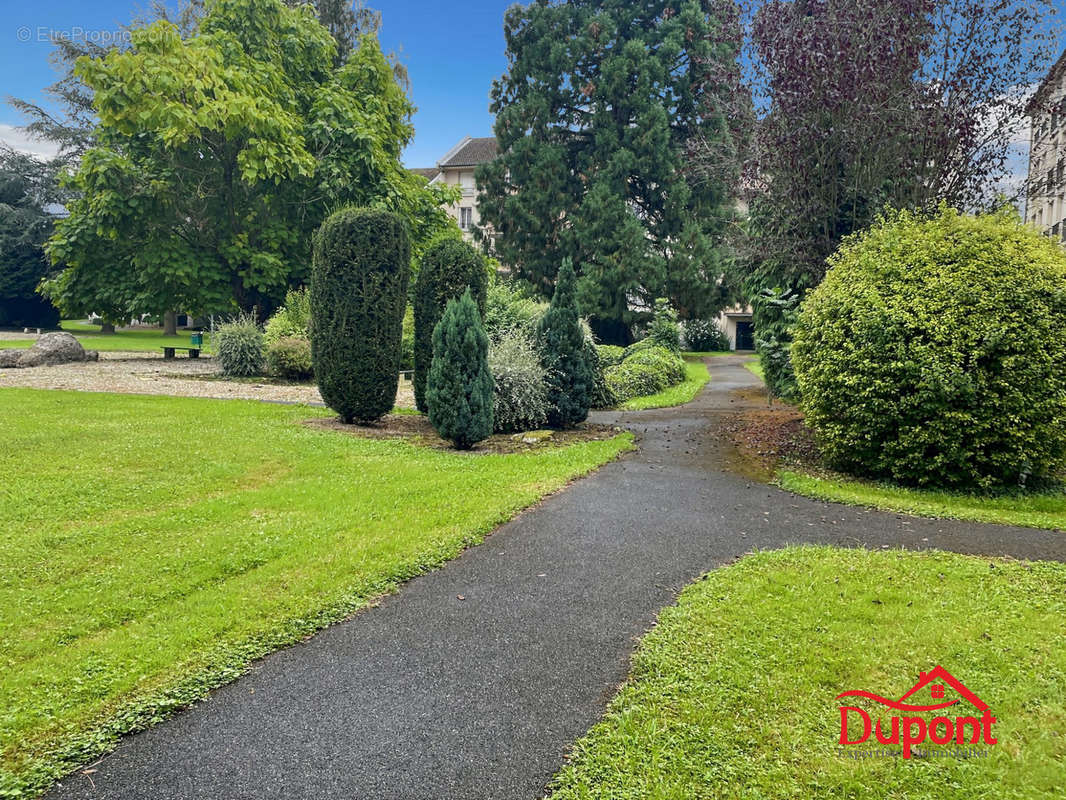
(1046, 510)
(68, 543)
(696, 377)
(733, 693)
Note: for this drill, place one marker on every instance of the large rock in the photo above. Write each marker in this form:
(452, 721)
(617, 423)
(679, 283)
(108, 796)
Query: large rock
(49, 349)
(9, 357)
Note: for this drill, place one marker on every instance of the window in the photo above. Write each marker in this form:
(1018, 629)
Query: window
(466, 179)
(466, 217)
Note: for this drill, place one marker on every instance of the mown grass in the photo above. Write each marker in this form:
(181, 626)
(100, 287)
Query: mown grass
(755, 367)
(696, 376)
(150, 339)
(153, 546)
(1030, 510)
(732, 695)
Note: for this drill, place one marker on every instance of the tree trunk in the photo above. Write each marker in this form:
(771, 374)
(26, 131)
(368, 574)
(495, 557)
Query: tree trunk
(170, 323)
(107, 327)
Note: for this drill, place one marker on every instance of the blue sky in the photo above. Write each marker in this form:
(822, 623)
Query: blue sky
(452, 52)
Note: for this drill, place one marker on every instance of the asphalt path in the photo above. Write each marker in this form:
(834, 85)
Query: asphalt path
(474, 680)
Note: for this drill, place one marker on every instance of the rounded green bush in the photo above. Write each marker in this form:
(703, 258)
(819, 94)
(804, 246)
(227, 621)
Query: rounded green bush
(290, 357)
(239, 347)
(520, 391)
(358, 294)
(631, 379)
(934, 353)
(292, 319)
(704, 335)
(449, 267)
(610, 355)
(670, 364)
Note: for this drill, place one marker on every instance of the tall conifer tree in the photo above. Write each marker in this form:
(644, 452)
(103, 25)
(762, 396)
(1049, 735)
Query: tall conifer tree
(596, 116)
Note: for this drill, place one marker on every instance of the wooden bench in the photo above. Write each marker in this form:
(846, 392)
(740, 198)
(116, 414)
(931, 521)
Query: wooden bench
(168, 352)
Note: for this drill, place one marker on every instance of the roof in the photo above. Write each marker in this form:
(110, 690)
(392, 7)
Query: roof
(939, 673)
(470, 152)
(1040, 95)
(429, 173)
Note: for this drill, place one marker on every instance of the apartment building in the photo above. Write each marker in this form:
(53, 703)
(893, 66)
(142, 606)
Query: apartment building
(456, 168)
(1045, 205)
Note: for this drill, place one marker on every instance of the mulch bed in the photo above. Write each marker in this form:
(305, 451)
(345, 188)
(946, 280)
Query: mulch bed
(773, 436)
(416, 429)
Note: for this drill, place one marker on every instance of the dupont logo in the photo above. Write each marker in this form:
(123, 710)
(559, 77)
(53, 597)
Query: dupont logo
(972, 727)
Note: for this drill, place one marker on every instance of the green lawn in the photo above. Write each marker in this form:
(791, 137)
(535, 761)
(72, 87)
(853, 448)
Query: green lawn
(153, 546)
(696, 376)
(150, 339)
(755, 367)
(732, 694)
(1034, 510)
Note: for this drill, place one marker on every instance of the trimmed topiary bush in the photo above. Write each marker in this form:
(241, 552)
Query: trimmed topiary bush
(934, 353)
(459, 384)
(358, 294)
(670, 364)
(239, 347)
(610, 355)
(562, 349)
(520, 393)
(290, 357)
(448, 268)
(631, 379)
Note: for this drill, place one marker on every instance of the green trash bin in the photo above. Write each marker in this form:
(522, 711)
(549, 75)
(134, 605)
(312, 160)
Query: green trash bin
(196, 340)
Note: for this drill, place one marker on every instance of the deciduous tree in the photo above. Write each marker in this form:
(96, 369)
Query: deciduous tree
(871, 104)
(217, 155)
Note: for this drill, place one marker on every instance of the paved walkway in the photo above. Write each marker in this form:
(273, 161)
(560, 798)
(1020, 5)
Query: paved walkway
(433, 696)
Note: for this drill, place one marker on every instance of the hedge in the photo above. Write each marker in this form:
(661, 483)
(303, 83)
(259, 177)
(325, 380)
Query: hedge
(358, 293)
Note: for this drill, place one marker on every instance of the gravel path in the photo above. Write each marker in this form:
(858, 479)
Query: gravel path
(149, 373)
(472, 681)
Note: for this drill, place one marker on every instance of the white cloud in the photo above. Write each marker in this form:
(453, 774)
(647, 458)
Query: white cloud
(18, 139)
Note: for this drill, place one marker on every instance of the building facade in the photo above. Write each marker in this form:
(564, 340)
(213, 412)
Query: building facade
(1045, 205)
(737, 325)
(456, 168)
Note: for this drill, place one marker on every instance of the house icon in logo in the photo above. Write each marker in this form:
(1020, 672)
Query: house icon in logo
(936, 691)
(911, 730)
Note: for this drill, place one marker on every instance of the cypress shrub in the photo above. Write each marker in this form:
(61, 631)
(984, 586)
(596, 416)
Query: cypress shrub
(358, 294)
(562, 348)
(449, 266)
(459, 384)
